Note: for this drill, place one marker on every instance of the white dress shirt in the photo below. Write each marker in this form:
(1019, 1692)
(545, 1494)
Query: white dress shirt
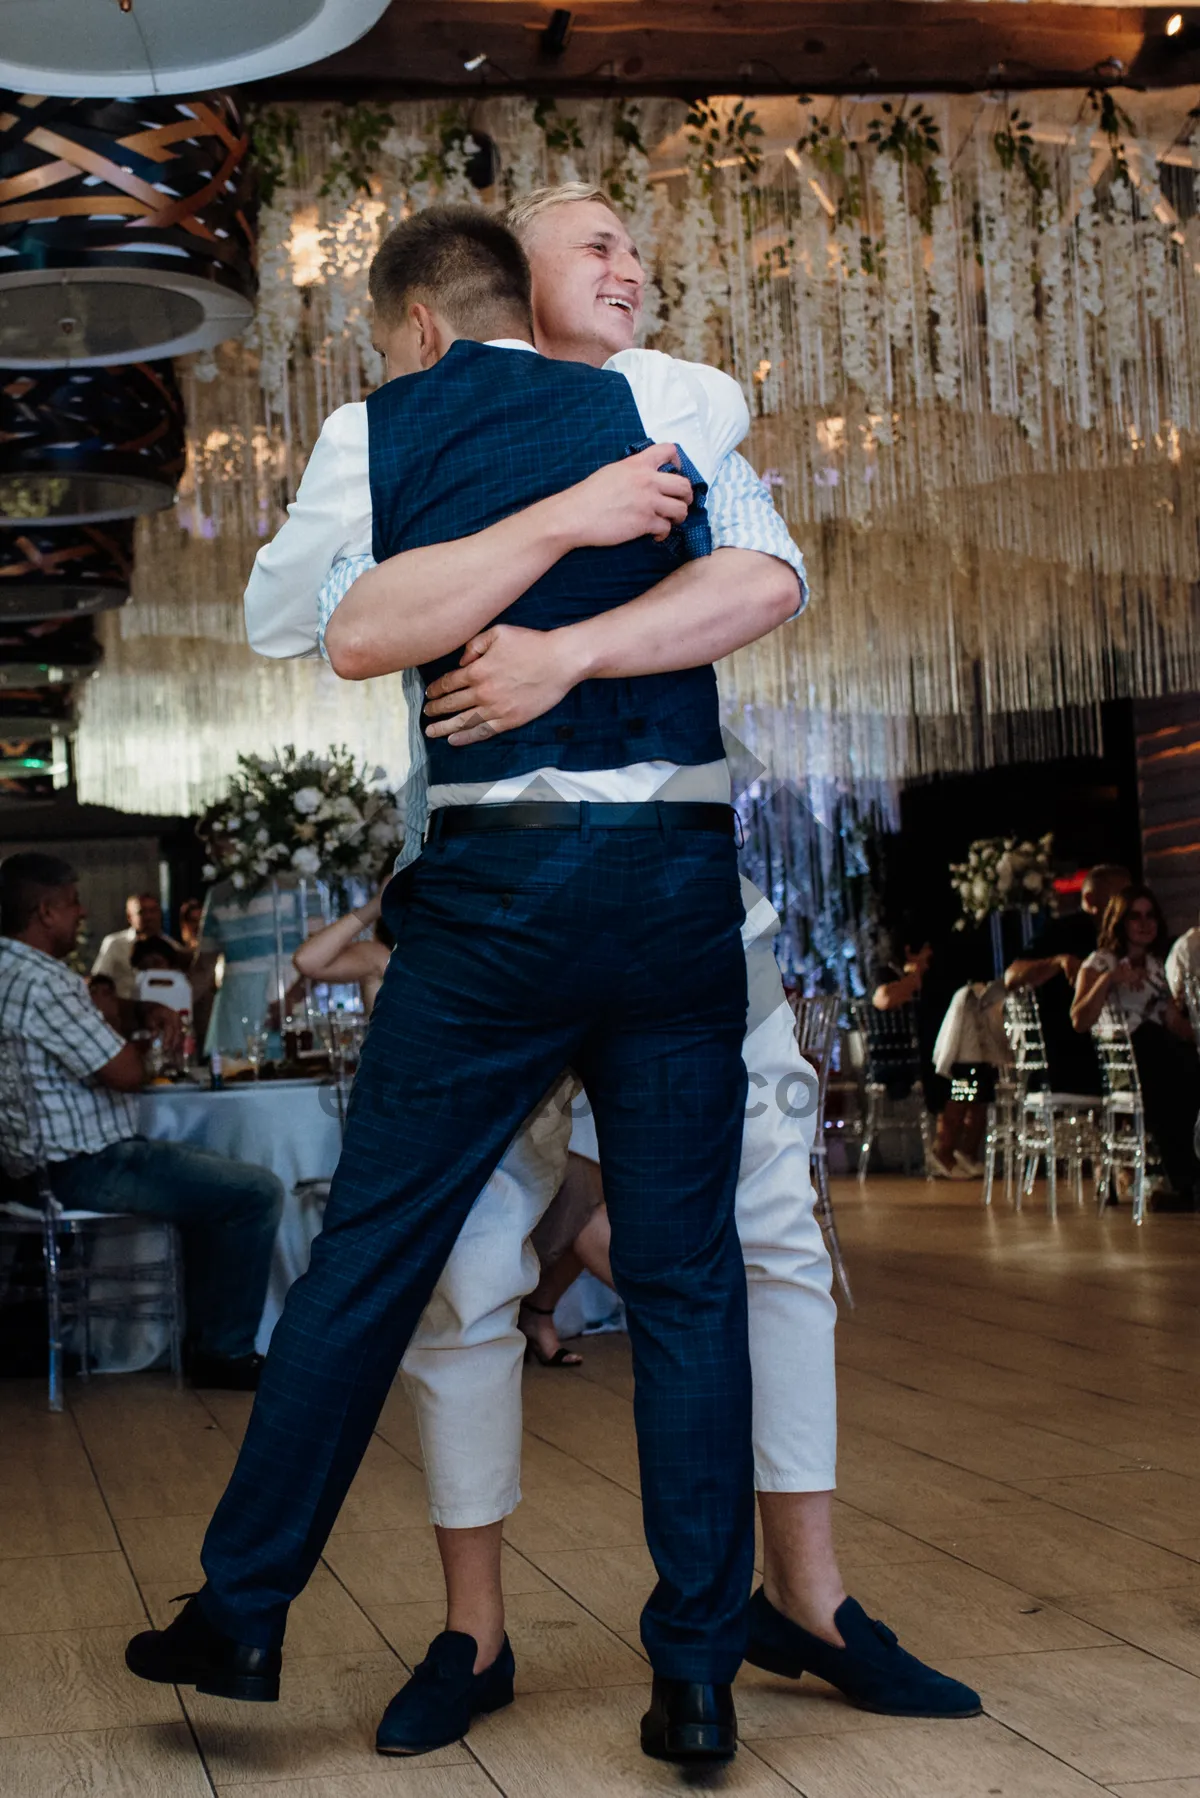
(112, 959)
(1183, 964)
(304, 572)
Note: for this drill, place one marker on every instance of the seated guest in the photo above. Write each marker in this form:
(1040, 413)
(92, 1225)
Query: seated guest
(156, 952)
(921, 983)
(573, 1236)
(158, 974)
(81, 1076)
(191, 911)
(1049, 966)
(144, 913)
(970, 1050)
(146, 1011)
(1183, 965)
(1126, 969)
(335, 953)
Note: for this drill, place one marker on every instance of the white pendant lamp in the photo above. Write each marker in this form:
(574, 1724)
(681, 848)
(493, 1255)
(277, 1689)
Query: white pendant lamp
(96, 48)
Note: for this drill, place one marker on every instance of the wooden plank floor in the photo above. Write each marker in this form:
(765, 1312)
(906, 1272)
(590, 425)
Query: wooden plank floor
(1020, 1498)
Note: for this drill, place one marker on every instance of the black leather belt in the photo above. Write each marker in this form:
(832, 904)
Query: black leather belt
(553, 814)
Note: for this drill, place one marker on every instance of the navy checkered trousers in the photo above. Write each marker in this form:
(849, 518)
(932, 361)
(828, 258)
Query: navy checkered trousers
(518, 953)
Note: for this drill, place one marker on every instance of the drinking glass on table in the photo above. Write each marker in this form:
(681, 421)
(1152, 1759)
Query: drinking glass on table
(349, 1028)
(256, 1043)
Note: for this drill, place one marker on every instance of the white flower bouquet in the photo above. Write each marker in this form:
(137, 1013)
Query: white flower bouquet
(1003, 873)
(320, 816)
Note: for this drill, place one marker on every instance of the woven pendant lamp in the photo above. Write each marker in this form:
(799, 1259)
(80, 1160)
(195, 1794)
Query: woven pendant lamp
(37, 712)
(68, 572)
(126, 228)
(80, 446)
(36, 656)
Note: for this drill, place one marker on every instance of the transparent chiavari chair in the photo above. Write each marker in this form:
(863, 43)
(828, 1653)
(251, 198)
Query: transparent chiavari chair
(1123, 1126)
(816, 1025)
(1000, 1143)
(148, 1288)
(895, 1095)
(1048, 1126)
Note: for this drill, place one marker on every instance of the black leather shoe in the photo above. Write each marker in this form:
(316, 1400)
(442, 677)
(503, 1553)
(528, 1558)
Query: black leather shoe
(224, 1373)
(872, 1670)
(191, 1652)
(689, 1722)
(444, 1696)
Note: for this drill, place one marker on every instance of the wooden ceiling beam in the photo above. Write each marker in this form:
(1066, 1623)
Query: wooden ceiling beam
(689, 47)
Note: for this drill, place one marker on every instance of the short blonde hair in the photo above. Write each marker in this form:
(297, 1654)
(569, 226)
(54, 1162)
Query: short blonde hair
(543, 199)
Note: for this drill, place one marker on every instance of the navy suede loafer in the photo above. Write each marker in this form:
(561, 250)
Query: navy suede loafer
(872, 1670)
(444, 1695)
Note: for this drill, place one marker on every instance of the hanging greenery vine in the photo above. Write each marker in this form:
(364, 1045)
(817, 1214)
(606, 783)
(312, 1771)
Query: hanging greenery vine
(968, 337)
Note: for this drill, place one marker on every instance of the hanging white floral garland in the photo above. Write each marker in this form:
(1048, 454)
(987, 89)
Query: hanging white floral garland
(1007, 491)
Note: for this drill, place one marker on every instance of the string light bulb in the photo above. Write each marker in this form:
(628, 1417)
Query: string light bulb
(1175, 24)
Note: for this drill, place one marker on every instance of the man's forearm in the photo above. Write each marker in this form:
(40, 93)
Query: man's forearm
(705, 610)
(702, 612)
(1031, 973)
(424, 603)
(1087, 1005)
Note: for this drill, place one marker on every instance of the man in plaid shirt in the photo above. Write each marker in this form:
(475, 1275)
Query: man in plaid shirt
(80, 1077)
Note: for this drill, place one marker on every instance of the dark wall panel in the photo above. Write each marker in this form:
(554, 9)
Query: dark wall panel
(1168, 762)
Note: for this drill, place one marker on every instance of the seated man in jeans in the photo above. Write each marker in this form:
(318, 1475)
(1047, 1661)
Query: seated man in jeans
(80, 1074)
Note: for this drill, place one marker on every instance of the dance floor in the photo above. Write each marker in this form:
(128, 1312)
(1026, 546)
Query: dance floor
(1020, 1498)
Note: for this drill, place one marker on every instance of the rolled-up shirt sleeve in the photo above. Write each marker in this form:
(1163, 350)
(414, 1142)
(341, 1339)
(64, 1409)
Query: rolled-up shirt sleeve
(742, 515)
(329, 517)
(334, 588)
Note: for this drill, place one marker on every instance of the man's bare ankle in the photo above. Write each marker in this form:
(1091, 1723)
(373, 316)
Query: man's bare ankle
(489, 1643)
(813, 1613)
(488, 1639)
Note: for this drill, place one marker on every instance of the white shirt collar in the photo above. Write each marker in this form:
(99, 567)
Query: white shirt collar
(509, 343)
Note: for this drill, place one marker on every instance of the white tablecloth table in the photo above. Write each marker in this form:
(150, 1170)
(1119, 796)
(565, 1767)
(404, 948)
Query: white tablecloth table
(289, 1126)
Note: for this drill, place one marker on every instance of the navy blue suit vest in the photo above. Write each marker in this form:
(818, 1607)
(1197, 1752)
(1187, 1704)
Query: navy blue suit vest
(482, 434)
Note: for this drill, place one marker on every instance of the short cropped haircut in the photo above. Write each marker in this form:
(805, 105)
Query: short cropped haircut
(25, 880)
(1111, 873)
(545, 199)
(141, 952)
(459, 260)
